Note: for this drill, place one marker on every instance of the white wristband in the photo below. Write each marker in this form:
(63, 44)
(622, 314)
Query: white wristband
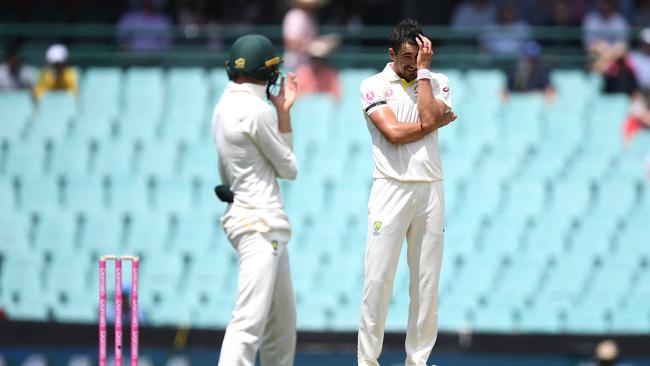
(424, 74)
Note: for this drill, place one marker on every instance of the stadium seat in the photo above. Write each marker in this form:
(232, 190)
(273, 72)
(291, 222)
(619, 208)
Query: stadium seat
(38, 194)
(92, 127)
(116, 158)
(84, 193)
(16, 109)
(54, 231)
(147, 232)
(102, 233)
(71, 158)
(14, 234)
(158, 158)
(101, 91)
(129, 194)
(27, 159)
(144, 92)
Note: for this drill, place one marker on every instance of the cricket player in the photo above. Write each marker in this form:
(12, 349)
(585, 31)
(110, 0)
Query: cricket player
(404, 106)
(254, 144)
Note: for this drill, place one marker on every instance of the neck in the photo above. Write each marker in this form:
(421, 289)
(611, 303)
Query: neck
(245, 79)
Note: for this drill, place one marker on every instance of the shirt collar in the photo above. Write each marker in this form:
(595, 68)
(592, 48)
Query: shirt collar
(257, 89)
(393, 77)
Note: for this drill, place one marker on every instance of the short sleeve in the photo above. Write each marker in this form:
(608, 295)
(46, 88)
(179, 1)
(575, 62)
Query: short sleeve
(441, 89)
(373, 96)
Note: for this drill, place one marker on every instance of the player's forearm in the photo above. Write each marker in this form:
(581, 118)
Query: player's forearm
(284, 121)
(403, 133)
(430, 112)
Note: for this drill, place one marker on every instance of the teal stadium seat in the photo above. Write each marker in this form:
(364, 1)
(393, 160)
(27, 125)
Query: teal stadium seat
(147, 232)
(14, 234)
(16, 109)
(27, 160)
(144, 92)
(88, 126)
(101, 91)
(38, 194)
(102, 233)
(116, 158)
(71, 158)
(158, 158)
(52, 117)
(22, 287)
(193, 232)
(67, 288)
(84, 194)
(55, 231)
(129, 194)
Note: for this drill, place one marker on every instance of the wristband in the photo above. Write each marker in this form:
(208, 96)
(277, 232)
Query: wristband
(423, 74)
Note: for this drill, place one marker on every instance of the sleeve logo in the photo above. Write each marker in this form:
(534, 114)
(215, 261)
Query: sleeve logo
(370, 96)
(445, 89)
(389, 92)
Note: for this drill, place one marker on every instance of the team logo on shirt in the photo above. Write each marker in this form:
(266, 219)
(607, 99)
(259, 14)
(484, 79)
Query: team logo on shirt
(445, 89)
(376, 226)
(389, 92)
(370, 95)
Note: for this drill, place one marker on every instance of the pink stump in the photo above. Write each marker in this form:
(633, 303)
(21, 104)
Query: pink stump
(118, 312)
(102, 312)
(135, 264)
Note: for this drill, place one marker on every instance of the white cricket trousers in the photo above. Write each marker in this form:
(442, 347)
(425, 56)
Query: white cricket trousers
(399, 210)
(264, 317)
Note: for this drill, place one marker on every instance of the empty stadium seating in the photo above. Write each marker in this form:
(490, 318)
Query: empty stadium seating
(547, 210)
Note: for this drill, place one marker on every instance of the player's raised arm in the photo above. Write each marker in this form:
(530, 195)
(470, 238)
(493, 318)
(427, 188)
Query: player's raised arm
(434, 113)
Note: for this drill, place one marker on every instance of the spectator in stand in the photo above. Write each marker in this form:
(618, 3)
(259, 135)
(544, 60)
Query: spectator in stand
(473, 13)
(145, 28)
(642, 16)
(613, 63)
(562, 15)
(536, 12)
(639, 117)
(508, 35)
(317, 76)
(57, 75)
(530, 74)
(605, 24)
(299, 30)
(194, 14)
(14, 74)
(640, 60)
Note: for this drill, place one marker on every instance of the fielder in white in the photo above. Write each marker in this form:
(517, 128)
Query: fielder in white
(254, 145)
(404, 106)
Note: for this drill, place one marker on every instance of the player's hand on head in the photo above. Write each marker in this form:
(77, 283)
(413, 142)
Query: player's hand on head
(425, 52)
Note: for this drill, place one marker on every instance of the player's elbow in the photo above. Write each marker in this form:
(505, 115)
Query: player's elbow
(288, 172)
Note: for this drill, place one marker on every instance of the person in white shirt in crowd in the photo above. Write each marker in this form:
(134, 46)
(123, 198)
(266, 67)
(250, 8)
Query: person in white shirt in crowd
(605, 24)
(14, 74)
(404, 106)
(254, 144)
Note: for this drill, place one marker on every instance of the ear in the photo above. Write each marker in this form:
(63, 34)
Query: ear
(391, 53)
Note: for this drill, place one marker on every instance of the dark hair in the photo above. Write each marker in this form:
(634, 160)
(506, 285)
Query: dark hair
(404, 32)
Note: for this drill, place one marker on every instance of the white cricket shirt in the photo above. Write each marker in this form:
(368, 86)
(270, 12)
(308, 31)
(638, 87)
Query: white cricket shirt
(417, 161)
(252, 154)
